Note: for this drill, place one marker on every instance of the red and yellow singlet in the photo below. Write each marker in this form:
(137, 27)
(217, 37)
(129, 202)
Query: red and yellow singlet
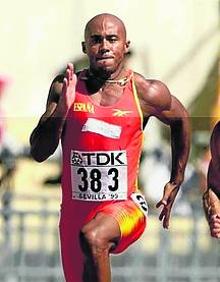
(101, 151)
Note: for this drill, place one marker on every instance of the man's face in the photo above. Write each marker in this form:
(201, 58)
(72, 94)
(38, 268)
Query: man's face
(105, 44)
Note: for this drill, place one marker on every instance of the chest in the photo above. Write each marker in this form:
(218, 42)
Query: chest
(108, 96)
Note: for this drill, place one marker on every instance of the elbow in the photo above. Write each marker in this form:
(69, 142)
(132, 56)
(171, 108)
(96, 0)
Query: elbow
(38, 155)
(40, 150)
(38, 159)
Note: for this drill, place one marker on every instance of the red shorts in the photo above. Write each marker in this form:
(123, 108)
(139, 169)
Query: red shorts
(130, 218)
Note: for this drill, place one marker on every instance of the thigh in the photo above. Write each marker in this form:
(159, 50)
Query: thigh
(103, 225)
(123, 221)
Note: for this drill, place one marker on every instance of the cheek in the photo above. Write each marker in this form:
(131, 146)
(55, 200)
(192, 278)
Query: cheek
(92, 54)
(119, 50)
(92, 49)
(119, 55)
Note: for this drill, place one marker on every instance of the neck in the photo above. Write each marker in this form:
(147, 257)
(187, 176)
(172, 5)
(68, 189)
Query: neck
(120, 77)
(105, 74)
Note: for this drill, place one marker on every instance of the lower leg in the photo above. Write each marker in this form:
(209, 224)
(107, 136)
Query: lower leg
(102, 264)
(97, 238)
(97, 265)
(89, 273)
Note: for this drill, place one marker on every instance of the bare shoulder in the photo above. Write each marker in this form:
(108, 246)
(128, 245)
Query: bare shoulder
(153, 94)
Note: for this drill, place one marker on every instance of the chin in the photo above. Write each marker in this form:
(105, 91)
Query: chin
(104, 71)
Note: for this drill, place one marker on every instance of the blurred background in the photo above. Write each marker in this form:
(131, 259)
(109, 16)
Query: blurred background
(176, 41)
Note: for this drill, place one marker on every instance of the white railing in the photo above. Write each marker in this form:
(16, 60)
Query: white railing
(29, 248)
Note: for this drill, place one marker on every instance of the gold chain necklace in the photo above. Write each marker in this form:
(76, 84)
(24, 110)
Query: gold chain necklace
(121, 81)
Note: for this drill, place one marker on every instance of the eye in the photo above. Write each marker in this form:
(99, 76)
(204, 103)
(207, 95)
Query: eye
(96, 39)
(112, 39)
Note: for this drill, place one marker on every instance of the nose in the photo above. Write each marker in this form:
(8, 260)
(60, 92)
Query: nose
(104, 47)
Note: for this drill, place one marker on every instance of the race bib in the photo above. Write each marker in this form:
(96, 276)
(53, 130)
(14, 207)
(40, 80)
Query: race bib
(99, 176)
(140, 201)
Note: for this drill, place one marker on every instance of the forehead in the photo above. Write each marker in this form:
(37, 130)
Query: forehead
(105, 26)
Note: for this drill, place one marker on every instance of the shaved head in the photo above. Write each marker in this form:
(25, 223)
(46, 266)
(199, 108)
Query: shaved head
(101, 18)
(105, 44)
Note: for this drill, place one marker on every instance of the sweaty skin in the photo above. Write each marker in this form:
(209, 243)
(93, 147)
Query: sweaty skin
(106, 46)
(211, 198)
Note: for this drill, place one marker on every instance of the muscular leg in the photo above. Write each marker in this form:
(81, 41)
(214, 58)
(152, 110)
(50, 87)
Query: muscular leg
(97, 238)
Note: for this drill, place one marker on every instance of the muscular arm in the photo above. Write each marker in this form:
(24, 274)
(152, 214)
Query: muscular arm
(178, 120)
(214, 166)
(157, 101)
(45, 137)
(211, 197)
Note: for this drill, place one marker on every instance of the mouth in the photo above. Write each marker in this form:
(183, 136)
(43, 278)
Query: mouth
(104, 58)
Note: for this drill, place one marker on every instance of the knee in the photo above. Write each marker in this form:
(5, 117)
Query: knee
(92, 241)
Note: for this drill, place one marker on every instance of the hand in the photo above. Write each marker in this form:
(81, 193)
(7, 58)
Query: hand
(214, 225)
(214, 217)
(169, 195)
(68, 91)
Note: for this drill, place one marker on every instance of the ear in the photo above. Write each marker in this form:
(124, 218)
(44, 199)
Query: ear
(84, 47)
(127, 45)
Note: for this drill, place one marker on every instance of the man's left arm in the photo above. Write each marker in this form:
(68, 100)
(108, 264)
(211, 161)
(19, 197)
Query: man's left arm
(178, 119)
(156, 100)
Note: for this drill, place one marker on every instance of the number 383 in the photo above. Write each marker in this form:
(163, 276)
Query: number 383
(93, 179)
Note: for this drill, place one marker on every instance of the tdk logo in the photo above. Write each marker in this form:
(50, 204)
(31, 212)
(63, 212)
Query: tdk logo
(108, 158)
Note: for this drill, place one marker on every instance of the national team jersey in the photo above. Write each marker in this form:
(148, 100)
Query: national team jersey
(101, 147)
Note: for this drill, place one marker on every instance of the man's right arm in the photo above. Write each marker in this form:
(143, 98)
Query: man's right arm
(211, 202)
(45, 137)
(214, 166)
